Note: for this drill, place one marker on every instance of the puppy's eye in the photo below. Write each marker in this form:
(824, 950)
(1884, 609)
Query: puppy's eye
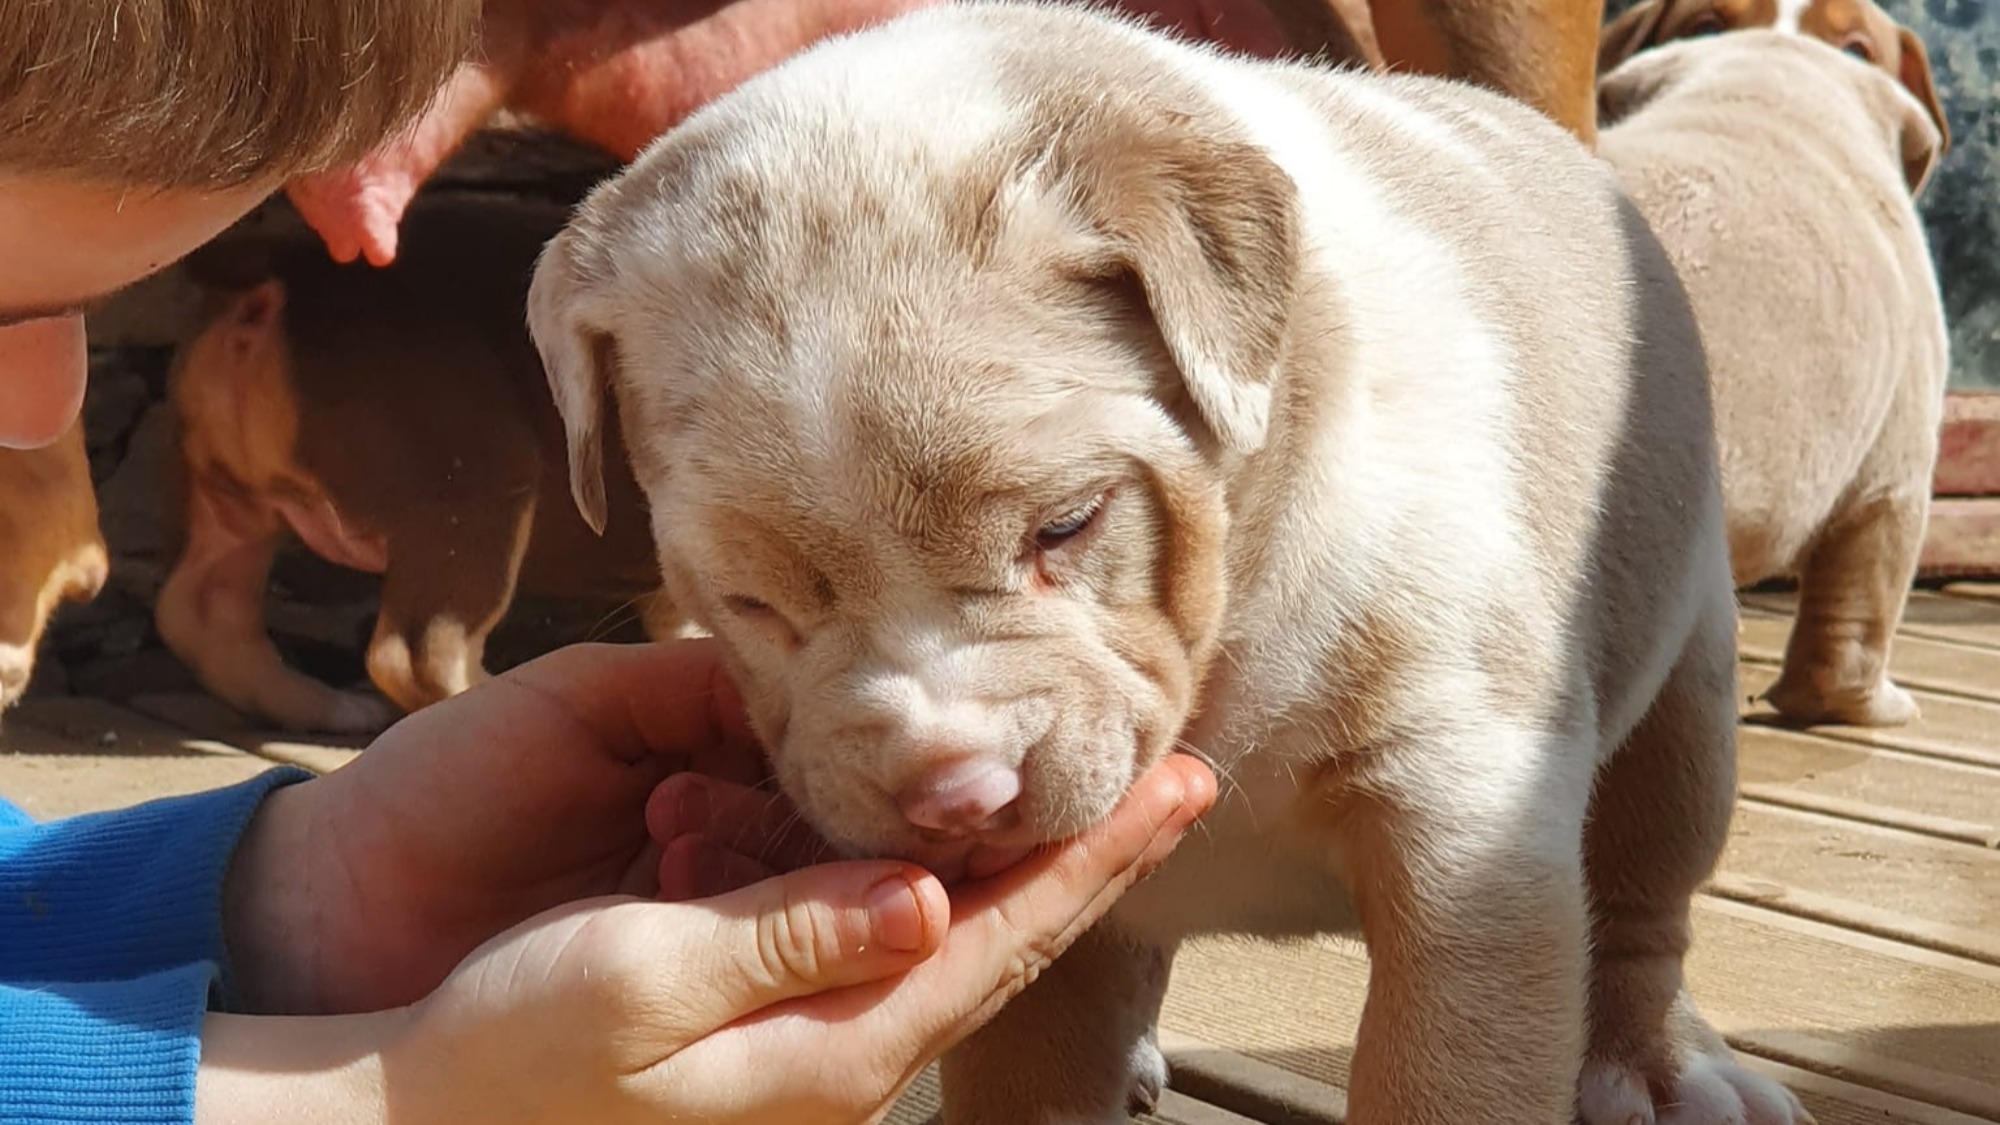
(760, 616)
(1059, 531)
(1860, 48)
(1708, 23)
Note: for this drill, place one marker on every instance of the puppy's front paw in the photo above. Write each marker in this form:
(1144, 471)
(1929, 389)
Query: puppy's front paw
(1711, 1088)
(354, 713)
(1884, 705)
(1149, 1077)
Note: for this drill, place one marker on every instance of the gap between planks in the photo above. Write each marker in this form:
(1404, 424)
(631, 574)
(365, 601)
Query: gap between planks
(1272, 1094)
(1884, 881)
(1871, 784)
(1908, 1022)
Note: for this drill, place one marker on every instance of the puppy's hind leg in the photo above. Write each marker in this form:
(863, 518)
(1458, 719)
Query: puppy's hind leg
(1077, 1047)
(1659, 819)
(210, 613)
(1852, 590)
(449, 583)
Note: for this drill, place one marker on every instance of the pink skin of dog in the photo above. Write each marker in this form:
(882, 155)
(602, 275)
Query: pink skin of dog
(618, 73)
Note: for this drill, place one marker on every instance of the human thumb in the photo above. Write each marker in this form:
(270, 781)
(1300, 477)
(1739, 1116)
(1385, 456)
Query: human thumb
(813, 930)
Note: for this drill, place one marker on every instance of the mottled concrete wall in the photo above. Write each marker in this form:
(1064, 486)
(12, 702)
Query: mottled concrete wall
(1962, 205)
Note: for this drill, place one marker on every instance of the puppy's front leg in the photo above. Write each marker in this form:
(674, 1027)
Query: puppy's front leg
(1465, 867)
(1077, 1047)
(448, 586)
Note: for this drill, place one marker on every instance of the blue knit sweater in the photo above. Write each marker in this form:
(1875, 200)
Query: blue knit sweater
(110, 951)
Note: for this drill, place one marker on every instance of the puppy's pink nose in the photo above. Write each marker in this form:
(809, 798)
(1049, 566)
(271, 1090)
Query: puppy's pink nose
(963, 796)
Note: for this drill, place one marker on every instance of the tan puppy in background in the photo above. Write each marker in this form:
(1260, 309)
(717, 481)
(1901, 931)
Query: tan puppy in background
(1021, 396)
(1858, 27)
(51, 549)
(1780, 174)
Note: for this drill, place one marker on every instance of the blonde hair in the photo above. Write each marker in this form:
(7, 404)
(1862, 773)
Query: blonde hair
(210, 94)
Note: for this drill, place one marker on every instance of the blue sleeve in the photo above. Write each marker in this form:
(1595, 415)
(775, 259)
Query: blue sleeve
(111, 951)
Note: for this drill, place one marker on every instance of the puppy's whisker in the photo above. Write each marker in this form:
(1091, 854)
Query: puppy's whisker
(613, 619)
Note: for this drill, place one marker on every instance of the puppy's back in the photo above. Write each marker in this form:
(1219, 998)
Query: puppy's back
(1770, 167)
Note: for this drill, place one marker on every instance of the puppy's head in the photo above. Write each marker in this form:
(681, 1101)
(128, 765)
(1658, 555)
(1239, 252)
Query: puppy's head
(1858, 27)
(1759, 71)
(934, 374)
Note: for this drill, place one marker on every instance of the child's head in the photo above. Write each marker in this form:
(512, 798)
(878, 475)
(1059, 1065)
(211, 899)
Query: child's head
(137, 129)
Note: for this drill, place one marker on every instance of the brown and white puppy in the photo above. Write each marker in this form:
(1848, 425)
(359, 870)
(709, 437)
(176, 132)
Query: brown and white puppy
(1022, 396)
(1543, 52)
(51, 549)
(1858, 27)
(1779, 173)
(398, 422)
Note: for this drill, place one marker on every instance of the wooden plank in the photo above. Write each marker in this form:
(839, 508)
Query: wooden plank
(1961, 538)
(62, 755)
(1940, 617)
(1950, 728)
(1972, 589)
(1251, 1087)
(919, 1106)
(1917, 662)
(1833, 1102)
(1858, 1010)
(1912, 1022)
(1874, 785)
(1968, 462)
(1890, 883)
(1272, 1094)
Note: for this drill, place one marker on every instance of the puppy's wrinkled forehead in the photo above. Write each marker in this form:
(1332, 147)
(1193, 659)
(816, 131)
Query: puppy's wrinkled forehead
(926, 256)
(842, 289)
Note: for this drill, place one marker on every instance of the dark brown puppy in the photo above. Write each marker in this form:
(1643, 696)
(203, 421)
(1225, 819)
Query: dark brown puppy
(398, 422)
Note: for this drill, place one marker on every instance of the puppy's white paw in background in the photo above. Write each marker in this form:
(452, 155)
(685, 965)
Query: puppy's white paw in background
(1149, 1076)
(1713, 1089)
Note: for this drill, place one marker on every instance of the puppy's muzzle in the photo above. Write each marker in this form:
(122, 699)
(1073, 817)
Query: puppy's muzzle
(962, 797)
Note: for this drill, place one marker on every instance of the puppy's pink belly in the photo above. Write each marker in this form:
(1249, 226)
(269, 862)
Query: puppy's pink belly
(325, 535)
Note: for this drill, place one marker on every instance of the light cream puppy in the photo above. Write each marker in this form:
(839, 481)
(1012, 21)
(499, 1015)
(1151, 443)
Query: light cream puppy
(1780, 175)
(1021, 395)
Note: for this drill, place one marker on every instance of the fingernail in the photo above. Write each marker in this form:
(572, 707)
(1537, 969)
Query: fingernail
(896, 915)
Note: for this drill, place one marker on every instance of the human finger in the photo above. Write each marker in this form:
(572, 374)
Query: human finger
(645, 700)
(693, 867)
(823, 928)
(754, 821)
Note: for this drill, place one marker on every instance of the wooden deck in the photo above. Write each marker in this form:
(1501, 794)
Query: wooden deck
(1850, 944)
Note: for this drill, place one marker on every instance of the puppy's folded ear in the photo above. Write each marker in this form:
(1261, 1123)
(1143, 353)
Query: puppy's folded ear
(1921, 152)
(578, 355)
(1208, 228)
(1630, 33)
(1633, 85)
